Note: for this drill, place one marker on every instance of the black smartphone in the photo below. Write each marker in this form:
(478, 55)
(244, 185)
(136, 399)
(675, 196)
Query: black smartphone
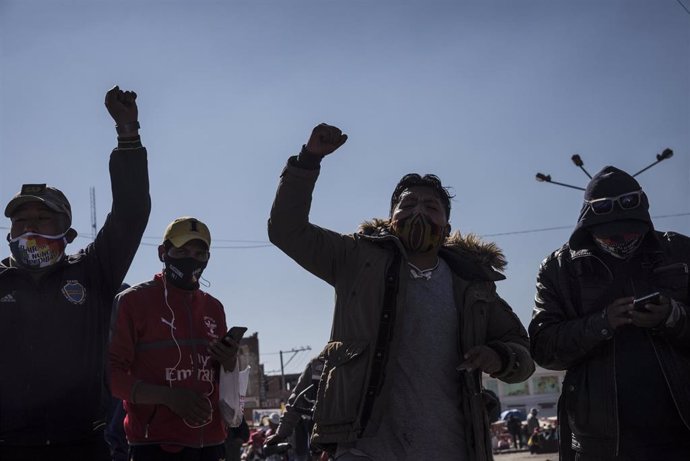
(235, 333)
(652, 298)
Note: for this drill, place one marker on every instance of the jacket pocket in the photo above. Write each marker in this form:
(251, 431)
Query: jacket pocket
(590, 399)
(341, 389)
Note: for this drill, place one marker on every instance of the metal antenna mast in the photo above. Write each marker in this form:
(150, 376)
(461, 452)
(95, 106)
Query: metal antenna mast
(665, 155)
(94, 228)
(577, 161)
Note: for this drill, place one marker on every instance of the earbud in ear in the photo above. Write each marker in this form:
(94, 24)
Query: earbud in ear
(161, 252)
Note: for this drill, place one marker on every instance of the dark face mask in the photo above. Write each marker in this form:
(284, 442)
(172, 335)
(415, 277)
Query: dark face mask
(184, 272)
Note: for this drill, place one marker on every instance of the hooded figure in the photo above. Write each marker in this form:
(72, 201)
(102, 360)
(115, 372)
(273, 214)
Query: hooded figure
(625, 391)
(615, 207)
(55, 307)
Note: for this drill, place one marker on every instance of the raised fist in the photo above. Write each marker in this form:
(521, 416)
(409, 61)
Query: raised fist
(122, 106)
(325, 139)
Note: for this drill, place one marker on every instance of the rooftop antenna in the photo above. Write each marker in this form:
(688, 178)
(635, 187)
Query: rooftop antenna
(579, 163)
(665, 155)
(541, 177)
(577, 160)
(92, 193)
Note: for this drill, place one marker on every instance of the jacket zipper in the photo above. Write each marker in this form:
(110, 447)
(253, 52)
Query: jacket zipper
(615, 381)
(615, 400)
(148, 422)
(615, 384)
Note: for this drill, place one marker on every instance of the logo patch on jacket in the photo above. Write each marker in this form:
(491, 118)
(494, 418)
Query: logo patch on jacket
(211, 325)
(74, 292)
(8, 298)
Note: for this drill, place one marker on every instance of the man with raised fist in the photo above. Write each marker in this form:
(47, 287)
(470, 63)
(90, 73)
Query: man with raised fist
(417, 320)
(55, 308)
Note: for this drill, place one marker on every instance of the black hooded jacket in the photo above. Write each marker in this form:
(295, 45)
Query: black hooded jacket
(606, 372)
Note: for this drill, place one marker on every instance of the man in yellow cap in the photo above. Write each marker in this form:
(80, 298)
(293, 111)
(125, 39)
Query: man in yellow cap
(166, 353)
(55, 308)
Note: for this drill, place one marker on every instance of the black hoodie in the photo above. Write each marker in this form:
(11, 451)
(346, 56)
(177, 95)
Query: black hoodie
(609, 182)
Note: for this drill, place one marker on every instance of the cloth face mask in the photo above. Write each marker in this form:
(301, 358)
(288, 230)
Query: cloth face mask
(417, 233)
(36, 251)
(184, 272)
(621, 248)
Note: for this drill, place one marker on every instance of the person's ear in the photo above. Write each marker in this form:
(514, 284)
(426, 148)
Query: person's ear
(8, 237)
(161, 253)
(70, 235)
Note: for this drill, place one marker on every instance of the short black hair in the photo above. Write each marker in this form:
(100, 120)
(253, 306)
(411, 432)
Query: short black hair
(428, 180)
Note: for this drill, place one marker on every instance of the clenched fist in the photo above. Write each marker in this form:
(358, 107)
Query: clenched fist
(325, 139)
(122, 106)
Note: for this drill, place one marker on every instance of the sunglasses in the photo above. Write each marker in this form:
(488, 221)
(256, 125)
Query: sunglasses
(627, 201)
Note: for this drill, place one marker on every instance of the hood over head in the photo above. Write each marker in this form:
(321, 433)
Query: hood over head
(610, 182)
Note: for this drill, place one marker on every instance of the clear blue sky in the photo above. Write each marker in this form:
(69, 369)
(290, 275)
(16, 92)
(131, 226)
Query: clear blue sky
(482, 93)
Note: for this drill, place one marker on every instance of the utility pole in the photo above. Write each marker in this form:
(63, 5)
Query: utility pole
(282, 366)
(94, 228)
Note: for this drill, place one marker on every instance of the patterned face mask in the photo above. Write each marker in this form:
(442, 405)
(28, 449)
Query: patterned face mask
(619, 247)
(184, 272)
(36, 251)
(417, 233)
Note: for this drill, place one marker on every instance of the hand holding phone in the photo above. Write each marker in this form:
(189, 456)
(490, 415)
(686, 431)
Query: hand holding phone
(652, 298)
(225, 351)
(235, 333)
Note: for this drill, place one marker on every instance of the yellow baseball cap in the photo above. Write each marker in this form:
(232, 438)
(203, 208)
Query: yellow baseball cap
(186, 228)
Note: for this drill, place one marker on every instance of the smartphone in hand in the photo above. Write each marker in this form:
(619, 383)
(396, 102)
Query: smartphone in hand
(652, 298)
(235, 333)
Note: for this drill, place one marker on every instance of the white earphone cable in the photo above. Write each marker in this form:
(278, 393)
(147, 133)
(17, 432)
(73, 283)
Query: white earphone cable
(179, 359)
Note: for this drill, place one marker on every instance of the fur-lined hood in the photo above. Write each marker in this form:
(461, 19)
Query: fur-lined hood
(467, 255)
